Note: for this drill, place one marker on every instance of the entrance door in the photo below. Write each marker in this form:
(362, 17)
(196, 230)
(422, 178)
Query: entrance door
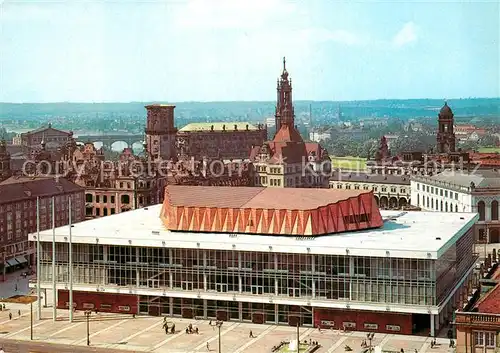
(257, 289)
(187, 285)
(220, 287)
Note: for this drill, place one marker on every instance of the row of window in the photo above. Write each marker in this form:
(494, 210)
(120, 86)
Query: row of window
(125, 199)
(438, 192)
(481, 209)
(348, 186)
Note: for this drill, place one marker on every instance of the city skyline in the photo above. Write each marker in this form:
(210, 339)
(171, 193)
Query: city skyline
(232, 51)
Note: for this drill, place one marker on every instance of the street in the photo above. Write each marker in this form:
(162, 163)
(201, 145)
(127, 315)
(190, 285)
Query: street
(15, 346)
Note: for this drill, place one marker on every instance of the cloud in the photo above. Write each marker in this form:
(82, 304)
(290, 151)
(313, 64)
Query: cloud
(406, 35)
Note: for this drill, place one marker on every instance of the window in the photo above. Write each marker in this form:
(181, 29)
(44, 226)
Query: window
(494, 210)
(88, 198)
(104, 198)
(125, 199)
(482, 339)
(97, 198)
(481, 210)
(112, 199)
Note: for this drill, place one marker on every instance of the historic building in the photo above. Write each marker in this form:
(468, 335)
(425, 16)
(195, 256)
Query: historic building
(463, 192)
(286, 160)
(161, 132)
(391, 191)
(477, 321)
(443, 157)
(53, 139)
(18, 199)
(315, 257)
(445, 136)
(223, 140)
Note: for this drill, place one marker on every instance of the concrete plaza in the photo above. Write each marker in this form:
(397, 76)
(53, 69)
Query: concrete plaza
(145, 334)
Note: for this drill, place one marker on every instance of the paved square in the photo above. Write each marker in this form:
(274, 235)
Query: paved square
(146, 334)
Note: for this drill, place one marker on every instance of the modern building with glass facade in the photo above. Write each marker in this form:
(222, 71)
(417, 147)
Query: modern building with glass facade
(403, 274)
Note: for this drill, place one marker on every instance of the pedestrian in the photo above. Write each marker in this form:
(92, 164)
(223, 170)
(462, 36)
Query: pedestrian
(208, 347)
(10, 316)
(15, 287)
(19, 312)
(251, 334)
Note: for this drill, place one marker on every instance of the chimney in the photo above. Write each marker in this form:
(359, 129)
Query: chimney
(223, 127)
(246, 127)
(211, 128)
(235, 127)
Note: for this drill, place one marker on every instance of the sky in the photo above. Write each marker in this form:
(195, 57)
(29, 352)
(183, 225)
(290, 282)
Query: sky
(228, 50)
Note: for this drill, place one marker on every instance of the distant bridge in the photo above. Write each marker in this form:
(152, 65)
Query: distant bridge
(108, 140)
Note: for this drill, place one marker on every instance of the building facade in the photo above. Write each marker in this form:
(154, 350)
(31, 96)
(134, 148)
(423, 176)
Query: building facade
(455, 192)
(160, 132)
(390, 191)
(477, 321)
(53, 138)
(407, 281)
(287, 161)
(18, 218)
(222, 141)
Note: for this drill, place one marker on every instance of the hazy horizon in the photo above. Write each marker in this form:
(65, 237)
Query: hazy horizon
(258, 101)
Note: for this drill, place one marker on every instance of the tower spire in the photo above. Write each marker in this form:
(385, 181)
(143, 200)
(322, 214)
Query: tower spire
(284, 64)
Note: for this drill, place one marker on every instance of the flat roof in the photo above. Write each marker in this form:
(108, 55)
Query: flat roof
(256, 197)
(410, 234)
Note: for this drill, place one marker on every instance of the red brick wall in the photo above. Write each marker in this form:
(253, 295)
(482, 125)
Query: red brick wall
(118, 302)
(404, 321)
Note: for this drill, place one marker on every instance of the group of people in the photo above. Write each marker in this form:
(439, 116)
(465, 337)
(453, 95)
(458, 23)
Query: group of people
(192, 329)
(168, 329)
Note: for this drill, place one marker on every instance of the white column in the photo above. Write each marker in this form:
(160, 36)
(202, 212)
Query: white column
(137, 260)
(38, 267)
(432, 325)
(205, 282)
(313, 269)
(170, 277)
(70, 255)
(276, 284)
(240, 280)
(351, 274)
(54, 289)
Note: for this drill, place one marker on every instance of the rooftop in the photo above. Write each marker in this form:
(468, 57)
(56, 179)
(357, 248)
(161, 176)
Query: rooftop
(18, 188)
(371, 178)
(256, 197)
(489, 303)
(480, 178)
(404, 234)
(219, 126)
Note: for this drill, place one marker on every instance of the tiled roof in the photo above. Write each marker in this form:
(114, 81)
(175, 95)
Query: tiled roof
(219, 126)
(18, 188)
(490, 303)
(371, 178)
(256, 197)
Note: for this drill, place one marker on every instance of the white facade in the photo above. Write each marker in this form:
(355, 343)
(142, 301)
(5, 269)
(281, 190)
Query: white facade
(476, 192)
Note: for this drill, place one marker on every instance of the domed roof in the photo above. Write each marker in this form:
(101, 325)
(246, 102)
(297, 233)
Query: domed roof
(445, 110)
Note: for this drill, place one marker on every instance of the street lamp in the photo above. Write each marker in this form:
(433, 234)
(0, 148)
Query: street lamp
(219, 323)
(370, 338)
(87, 314)
(31, 300)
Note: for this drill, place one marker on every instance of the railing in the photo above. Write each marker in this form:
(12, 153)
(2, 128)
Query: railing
(474, 318)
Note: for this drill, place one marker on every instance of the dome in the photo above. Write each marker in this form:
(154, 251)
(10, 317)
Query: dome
(445, 110)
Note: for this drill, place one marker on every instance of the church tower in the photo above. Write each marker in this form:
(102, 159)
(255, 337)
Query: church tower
(284, 107)
(5, 171)
(446, 135)
(160, 132)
